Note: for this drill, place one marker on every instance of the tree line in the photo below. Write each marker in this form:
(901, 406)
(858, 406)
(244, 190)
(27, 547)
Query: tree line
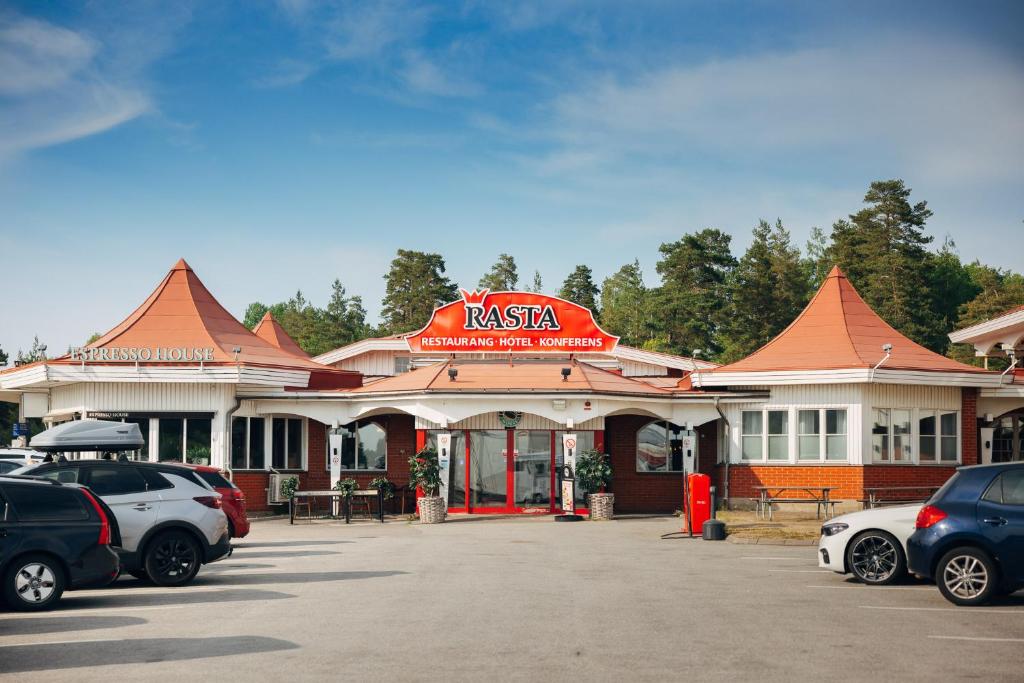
(708, 299)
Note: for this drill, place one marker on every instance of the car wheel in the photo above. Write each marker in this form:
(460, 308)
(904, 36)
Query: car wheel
(876, 558)
(172, 558)
(33, 582)
(967, 576)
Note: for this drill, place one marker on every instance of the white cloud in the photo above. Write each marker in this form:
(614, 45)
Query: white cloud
(286, 73)
(35, 55)
(423, 75)
(947, 110)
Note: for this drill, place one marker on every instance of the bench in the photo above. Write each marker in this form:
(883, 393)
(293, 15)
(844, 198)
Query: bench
(874, 495)
(828, 506)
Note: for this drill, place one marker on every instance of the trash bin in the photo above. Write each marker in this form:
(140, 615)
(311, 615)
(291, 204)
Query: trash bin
(713, 530)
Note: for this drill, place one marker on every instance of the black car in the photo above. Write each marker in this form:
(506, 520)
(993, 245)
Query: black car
(53, 537)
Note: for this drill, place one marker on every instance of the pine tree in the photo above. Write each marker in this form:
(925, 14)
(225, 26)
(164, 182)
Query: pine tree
(538, 285)
(625, 309)
(693, 301)
(3, 358)
(503, 277)
(818, 262)
(579, 288)
(36, 353)
(999, 291)
(882, 250)
(767, 290)
(416, 285)
(951, 286)
(253, 314)
(341, 323)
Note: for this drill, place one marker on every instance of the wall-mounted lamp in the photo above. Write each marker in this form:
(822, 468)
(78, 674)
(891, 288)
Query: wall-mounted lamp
(452, 374)
(565, 374)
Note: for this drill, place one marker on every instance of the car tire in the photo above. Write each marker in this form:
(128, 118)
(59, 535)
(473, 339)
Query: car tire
(33, 583)
(876, 558)
(172, 558)
(967, 576)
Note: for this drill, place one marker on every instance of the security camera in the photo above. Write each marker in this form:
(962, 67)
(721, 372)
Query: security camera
(887, 348)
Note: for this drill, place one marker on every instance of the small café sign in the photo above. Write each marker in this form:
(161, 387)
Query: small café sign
(141, 354)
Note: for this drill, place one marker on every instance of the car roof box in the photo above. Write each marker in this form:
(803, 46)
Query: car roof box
(90, 435)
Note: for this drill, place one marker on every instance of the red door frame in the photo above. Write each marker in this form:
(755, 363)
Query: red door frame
(510, 472)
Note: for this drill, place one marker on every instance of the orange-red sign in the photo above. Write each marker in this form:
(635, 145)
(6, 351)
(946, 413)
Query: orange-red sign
(511, 322)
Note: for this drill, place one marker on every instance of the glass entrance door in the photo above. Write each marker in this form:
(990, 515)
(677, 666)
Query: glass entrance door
(533, 473)
(488, 470)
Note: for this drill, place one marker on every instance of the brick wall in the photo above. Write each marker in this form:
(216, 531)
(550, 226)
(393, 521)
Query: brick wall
(969, 424)
(649, 491)
(401, 442)
(846, 480)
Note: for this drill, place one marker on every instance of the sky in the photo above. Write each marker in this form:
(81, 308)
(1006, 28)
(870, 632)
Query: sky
(277, 146)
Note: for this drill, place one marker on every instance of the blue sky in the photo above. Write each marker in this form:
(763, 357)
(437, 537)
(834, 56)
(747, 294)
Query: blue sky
(278, 145)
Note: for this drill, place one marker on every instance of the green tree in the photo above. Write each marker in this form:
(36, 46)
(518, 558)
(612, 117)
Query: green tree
(415, 286)
(503, 276)
(3, 358)
(767, 290)
(579, 288)
(999, 291)
(538, 284)
(625, 308)
(882, 249)
(36, 353)
(818, 262)
(343, 321)
(254, 313)
(693, 300)
(951, 286)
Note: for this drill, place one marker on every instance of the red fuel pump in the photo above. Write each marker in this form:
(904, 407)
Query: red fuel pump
(698, 502)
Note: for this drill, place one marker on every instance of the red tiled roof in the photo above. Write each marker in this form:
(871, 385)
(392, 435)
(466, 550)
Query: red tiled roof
(269, 330)
(838, 330)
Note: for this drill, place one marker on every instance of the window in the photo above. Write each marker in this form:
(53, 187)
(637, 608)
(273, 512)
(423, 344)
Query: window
(456, 466)
(46, 503)
(364, 446)
(809, 435)
(880, 435)
(247, 443)
(142, 453)
(286, 443)
(778, 435)
(835, 434)
(659, 447)
(65, 476)
(185, 439)
(215, 480)
(752, 446)
(938, 436)
(948, 437)
(901, 451)
(116, 481)
(1007, 489)
(401, 364)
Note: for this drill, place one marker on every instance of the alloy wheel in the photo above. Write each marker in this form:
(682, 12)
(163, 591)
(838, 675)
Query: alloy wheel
(174, 557)
(965, 576)
(35, 583)
(874, 559)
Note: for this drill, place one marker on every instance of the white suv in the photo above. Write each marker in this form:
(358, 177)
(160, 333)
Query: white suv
(170, 521)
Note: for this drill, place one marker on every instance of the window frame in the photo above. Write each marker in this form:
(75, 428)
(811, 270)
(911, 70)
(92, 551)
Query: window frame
(668, 448)
(268, 462)
(248, 444)
(793, 435)
(357, 470)
(915, 437)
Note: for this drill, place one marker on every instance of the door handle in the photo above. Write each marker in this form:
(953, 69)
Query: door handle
(142, 507)
(995, 521)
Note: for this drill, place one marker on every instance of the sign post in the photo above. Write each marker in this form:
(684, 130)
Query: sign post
(444, 461)
(334, 441)
(569, 481)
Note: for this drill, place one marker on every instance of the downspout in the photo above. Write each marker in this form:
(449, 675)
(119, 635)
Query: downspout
(728, 436)
(227, 434)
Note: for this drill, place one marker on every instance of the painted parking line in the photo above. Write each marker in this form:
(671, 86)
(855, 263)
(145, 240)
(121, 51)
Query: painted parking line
(791, 558)
(976, 639)
(802, 571)
(64, 642)
(878, 588)
(145, 590)
(71, 611)
(958, 610)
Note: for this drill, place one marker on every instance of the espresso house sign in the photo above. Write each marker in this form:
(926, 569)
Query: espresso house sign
(141, 354)
(511, 322)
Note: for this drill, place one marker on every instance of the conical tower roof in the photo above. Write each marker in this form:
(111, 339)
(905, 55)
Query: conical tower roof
(270, 331)
(182, 313)
(838, 330)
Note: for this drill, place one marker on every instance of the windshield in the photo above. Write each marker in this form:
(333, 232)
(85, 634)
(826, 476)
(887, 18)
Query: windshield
(27, 469)
(945, 487)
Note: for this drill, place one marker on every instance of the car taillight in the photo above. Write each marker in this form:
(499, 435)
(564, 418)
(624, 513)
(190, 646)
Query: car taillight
(237, 494)
(209, 501)
(929, 516)
(104, 538)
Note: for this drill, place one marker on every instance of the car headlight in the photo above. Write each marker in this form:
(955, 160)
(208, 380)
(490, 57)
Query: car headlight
(833, 528)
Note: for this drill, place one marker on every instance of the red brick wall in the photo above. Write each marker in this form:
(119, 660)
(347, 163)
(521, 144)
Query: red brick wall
(847, 480)
(401, 444)
(649, 491)
(969, 424)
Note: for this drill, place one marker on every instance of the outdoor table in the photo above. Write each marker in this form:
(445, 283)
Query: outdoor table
(819, 495)
(873, 498)
(335, 496)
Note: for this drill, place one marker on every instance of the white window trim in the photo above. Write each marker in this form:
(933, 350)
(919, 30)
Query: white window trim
(248, 444)
(327, 439)
(268, 443)
(915, 437)
(792, 429)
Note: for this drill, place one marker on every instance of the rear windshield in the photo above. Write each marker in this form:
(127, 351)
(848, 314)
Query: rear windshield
(215, 479)
(43, 503)
(945, 487)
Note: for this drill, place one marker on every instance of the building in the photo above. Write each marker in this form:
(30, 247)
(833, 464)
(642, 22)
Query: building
(838, 399)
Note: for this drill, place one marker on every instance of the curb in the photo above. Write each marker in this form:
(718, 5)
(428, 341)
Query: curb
(770, 541)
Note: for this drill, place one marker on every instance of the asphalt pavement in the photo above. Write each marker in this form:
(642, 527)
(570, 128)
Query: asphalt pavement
(511, 599)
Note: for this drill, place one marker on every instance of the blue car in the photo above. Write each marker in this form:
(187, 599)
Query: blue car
(970, 535)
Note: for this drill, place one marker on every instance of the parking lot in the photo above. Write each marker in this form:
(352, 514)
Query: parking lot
(511, 599)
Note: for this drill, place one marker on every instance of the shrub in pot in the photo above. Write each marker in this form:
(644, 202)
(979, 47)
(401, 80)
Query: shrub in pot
(593, 476)
(425, 473)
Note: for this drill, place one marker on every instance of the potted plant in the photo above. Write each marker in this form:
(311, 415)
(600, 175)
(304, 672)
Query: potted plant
(425, 473)
(289, 486)
(346, 486)
(385, 485)
(593, 476)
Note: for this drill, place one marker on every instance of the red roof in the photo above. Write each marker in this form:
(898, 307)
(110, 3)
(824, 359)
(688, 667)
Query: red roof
(269, 330)
(181, 313)
(838, 330)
